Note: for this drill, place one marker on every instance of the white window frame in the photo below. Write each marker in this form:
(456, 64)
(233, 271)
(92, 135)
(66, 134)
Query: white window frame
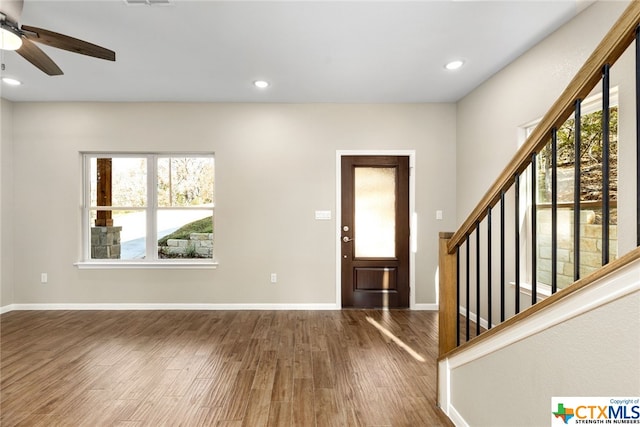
(587, 106)
(150, 209)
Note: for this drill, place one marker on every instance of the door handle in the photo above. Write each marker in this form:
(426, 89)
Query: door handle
(346, 239)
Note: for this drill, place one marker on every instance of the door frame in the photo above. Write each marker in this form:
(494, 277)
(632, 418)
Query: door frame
(412, 216)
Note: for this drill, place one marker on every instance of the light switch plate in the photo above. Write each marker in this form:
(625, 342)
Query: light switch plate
(323, 215)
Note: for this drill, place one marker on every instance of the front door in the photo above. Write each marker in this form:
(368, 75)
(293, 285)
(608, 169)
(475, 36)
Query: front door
(375, 231)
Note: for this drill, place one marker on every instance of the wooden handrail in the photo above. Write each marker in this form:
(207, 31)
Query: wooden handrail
(608, 51)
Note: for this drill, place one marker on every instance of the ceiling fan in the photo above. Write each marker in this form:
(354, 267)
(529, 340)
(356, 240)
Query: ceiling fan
(21, 38)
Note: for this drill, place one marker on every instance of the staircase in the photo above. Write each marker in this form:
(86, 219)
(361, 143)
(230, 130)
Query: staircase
(511, 338)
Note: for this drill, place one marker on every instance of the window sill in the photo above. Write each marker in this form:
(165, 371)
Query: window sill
(543, 291)
(112, 265)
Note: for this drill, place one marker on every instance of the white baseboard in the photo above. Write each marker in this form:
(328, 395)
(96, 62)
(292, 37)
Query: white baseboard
(142, 306)
(456, 418)
(7, 308)
(172, 306)
(425, 307)
(444, 395)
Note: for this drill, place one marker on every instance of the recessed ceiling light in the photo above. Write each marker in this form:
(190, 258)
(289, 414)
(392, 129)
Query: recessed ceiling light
(11, 82)
(454, 65)
(261, 84)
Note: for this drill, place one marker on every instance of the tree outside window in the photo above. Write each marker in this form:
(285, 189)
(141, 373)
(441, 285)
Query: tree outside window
(591, 193)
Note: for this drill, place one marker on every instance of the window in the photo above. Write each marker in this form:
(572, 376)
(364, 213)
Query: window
(590, 196)
(148, 208)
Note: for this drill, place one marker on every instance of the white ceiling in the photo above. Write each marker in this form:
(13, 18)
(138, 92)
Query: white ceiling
(310, 51)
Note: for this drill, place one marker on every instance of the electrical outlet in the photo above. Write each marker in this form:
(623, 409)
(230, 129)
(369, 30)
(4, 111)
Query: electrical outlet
(44, 278)
(274, 278)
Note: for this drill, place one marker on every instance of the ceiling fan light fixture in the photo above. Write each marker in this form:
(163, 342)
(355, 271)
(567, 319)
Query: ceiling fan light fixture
(9, 38)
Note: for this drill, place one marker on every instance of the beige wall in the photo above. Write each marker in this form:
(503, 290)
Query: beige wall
(6, 200)
(490, 119)
(585, 356)
(275, 165)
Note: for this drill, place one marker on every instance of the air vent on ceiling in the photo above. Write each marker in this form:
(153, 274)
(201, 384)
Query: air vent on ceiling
(149, 2)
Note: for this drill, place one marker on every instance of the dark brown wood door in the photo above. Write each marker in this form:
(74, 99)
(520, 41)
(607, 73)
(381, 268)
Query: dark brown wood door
(375, 231)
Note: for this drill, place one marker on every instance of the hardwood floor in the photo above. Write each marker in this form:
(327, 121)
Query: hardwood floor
(219, 368)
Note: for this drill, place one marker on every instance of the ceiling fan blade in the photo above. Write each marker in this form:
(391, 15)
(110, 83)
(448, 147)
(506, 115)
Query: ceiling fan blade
(37, 57)
(71, 44)
(12, 9)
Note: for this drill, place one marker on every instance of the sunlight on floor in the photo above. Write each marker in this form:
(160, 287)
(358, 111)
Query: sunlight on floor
(396, 340)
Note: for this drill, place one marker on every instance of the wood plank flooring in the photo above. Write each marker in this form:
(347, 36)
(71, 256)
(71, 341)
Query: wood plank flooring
(218, 368)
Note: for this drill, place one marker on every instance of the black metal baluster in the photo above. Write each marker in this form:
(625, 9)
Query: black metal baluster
(502, 251)
(468, 287)
(489, 268)
(606, 119)
(576, 194)
(478, 279)
(517, 238)
(534, 230)
(554, 211)
(457, 296)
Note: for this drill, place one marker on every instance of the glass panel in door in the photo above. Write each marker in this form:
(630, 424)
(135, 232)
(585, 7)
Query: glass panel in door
(375, 212)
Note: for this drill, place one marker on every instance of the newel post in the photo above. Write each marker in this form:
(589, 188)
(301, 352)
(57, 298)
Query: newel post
(448, 310)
